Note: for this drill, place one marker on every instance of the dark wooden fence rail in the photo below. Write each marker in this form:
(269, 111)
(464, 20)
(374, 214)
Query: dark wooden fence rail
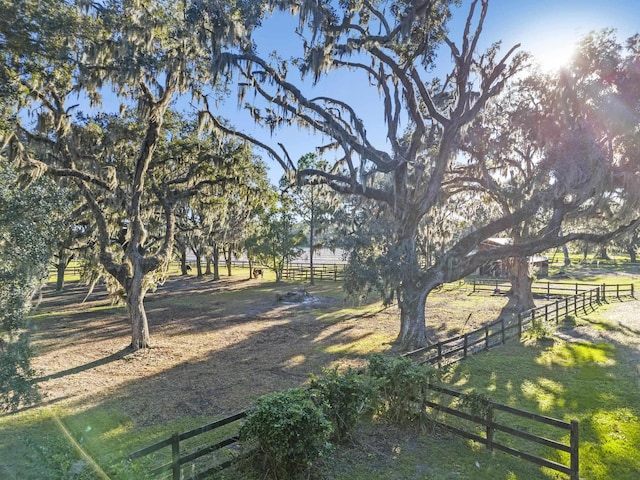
(551, 288)
(301, 271)
(491, 426)
(497, 332)
(178, 460)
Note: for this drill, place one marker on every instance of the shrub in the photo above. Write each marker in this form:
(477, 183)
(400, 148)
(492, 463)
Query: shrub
(539, 331)
(347, 397)
(477, 404)
(289, 430)
(403, 387)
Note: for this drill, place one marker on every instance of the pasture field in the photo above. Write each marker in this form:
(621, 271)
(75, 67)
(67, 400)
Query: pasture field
(219, 345)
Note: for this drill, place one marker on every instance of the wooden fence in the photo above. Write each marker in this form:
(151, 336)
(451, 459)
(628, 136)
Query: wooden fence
(301, 271)
(497, 332)
(488, 438)
(551, 289)
(178, 460)
(496, 433)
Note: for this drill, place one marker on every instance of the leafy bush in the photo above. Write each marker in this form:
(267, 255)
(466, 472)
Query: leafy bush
(539, 331)
(403, 387)
(347, 397)
(289, 430)
(477, 404)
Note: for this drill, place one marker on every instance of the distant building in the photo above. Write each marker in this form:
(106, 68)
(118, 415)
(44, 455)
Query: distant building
(500, 268)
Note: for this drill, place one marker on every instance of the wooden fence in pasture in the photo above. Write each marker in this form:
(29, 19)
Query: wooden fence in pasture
(494, 435)
(496, 333)
(551, 289)
(179, 460)
(302, 271)
(500, 428)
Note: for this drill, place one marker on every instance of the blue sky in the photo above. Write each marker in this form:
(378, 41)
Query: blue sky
(546, 28)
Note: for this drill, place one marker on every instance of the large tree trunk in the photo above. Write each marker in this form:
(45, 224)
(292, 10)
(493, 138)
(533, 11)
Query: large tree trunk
(227, 253)
(183, 262)
(632, 253)
(602, 253)
(216, 262)
(412, 296)
(413, 328)
(61, 267)
(198, 256)
(520, 298)
(137, 315)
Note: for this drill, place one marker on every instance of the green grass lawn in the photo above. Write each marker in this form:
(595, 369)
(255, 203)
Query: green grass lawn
(595, 383)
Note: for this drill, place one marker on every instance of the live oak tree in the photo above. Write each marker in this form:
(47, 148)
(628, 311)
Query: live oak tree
(392, 47)
(501, 153)
(75, 239)
(59, 54)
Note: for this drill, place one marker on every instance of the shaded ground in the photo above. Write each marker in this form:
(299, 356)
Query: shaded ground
(217, 345)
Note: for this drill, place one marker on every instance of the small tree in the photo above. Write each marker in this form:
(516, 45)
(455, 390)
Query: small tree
(312, 202)
(277, 242)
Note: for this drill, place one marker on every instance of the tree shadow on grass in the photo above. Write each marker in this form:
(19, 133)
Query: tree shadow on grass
(584, 379)
(87, 366)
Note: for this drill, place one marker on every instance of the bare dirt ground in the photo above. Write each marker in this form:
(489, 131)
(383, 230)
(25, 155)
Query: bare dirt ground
(217, 345)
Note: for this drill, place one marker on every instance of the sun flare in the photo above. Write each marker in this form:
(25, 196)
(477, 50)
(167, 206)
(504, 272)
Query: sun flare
(551, 43)
(554, 54)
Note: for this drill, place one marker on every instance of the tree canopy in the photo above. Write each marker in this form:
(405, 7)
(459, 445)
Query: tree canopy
(394, 48)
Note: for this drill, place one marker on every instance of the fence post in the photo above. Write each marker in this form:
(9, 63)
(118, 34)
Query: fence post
(573, 443)
(175, 456)
(548, 289)
(474, 285)
(502, 330)
(533, 317)
(604, 292)
(576, 289)
(618, 291)
(486, 338)
(466, 344)
(632, 294)
(546, 313)
(557, 311)
(439, 354)
(584, 302)
(489, 419)
(520, 325)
